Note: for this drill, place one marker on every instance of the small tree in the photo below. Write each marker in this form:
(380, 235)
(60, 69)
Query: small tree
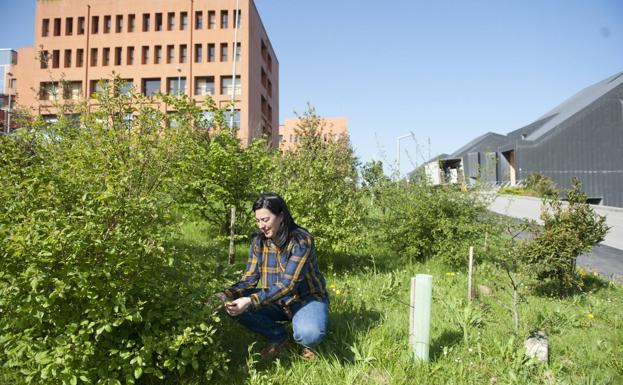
(507, 255)
(568, 231)
(373, 179)
(222, 173)
(318, 179)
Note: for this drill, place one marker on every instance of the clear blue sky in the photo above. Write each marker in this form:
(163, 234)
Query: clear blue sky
(446, 70)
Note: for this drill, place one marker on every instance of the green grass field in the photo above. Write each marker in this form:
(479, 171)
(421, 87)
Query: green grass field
(476, 344)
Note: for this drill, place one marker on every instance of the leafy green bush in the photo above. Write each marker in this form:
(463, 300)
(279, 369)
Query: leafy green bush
(568, 231)
(542, 185)
(422, 221)
(535, 185)
(91, 289)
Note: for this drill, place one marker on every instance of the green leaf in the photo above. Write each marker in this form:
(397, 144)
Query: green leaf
(138, 372)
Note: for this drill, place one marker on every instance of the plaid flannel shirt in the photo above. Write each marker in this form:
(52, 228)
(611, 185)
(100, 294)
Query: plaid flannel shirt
(290, 276)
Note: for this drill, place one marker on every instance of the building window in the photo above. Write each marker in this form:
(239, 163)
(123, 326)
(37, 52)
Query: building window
(183, 53)
(172, 119)
(13, 83)
(105, 56)
(183, 21)
(237, 53)
(67, 61)
(204, 85)
(198, 52)
(199, 20)
(69, 26)
(56, 58)
(98, 86)
(57, 26)
(264, 105)
(93, 57)
(211, 52)
(145, 55)
(158, 54)
(45, 27)
(228, 120)
(270, 89)
(81, 25)
(224, 19)
(131, 22)
(95, 24)
(269, 62)
(118, 53)
(146, 20)
(237, 18)
(107, 24)
(129, 56)
(48, 90)
(170, 54)
(119, 24)
(44, 57)
(176, 86)
(150, 87)
(79, 57)
(72, 90)
(211, 19)
(125, 87)
(170, 21)
(263, 77)
(227, 86)
(206, 121)
(263, 49)
(223, 52)
(159, 21)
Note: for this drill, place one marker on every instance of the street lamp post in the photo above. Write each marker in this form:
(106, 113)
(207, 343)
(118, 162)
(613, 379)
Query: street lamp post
(233, 77)
(398, 139)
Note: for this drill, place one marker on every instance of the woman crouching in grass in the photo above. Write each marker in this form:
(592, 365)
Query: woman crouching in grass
(283, 256)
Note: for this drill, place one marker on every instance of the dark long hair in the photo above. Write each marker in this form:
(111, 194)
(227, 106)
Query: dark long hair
(277, 206)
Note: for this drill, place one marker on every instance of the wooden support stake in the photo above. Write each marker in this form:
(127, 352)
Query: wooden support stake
(232, 234)
(469, 274)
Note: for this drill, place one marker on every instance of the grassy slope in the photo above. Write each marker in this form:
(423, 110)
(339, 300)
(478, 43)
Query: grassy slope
(367, 341)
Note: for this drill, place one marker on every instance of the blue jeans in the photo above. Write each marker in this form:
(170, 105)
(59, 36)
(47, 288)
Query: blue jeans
(309, 322)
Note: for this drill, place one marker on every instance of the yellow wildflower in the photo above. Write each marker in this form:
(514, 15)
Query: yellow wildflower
(337, 292)
(590, 315)
(450, 274)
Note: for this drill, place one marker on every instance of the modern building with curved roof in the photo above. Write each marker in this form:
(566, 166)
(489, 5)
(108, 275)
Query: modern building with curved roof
(581, 137)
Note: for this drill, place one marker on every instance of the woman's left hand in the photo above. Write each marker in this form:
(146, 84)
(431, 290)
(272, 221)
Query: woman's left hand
(237, 307)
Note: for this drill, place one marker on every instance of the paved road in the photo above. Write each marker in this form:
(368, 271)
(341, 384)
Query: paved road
(606, 258)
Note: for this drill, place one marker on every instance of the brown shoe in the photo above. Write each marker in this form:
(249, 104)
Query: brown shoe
(271, 350)
(308, 354)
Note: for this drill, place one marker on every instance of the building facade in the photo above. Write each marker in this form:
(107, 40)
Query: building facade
(331, 129)
(8, 59)
(582, 137)
(192, 47)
